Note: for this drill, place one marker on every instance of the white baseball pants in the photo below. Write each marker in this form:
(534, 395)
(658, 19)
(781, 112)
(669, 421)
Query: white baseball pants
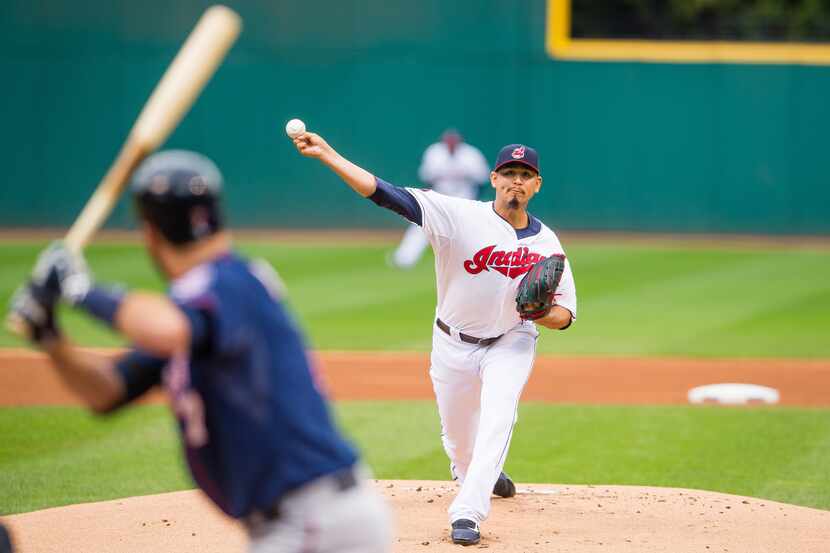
(478, 389)
(412, 246)
(320, 518)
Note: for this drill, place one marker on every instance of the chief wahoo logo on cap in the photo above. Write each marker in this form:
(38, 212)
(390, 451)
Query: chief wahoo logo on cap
(518, 153)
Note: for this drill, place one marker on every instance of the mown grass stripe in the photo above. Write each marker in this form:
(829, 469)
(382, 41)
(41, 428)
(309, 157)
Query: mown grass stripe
(633, 299)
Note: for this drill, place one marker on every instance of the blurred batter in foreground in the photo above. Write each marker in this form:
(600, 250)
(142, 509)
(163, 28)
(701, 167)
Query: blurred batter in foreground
(257, 434)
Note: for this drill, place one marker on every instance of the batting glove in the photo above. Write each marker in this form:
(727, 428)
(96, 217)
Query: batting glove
(62, 273)
(34, 306)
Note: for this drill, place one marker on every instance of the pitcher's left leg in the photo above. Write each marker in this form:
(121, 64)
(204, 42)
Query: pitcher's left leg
(505, 369)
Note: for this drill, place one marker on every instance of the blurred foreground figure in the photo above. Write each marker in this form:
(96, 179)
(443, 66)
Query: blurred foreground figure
(450, 167)
(256, 431)
(5, 540)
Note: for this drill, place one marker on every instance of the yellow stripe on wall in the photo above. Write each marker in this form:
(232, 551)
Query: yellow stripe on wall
(560, 45)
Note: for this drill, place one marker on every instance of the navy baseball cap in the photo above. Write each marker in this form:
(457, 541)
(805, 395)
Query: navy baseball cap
(518, 153)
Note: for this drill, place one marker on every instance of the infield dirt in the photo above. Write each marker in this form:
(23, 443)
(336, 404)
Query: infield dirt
(26, 379)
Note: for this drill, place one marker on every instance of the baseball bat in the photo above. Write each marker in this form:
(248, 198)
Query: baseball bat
(178, 89)
(195, 63)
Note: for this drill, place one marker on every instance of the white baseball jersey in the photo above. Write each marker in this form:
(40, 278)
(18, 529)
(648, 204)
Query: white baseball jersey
(456, 174)
(480, 260)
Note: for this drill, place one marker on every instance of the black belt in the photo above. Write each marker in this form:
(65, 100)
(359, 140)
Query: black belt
(466, 337)
(344, 479)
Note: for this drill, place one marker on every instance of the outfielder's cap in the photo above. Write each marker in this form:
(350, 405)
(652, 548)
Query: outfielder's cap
(179, 191)
(517, 153)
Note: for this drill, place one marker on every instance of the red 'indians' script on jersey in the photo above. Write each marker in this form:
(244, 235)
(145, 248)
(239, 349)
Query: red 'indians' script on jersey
(510, 264)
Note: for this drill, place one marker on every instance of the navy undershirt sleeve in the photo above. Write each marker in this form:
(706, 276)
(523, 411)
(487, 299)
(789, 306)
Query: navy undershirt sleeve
(399, 200)
(139, 371)
(200, 328)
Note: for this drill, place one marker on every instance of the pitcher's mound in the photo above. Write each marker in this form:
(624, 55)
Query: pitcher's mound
(541, 518)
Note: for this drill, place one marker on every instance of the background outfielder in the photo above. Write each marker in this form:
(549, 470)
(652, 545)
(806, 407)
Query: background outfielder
(256, 432)
(482, 350)
(450, 167)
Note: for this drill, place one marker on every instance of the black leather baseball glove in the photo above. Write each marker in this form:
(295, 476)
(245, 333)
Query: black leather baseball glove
(535, 296)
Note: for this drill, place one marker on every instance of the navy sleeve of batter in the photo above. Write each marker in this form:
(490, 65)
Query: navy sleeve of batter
(399, 200)
(200, 328)
(139, 371)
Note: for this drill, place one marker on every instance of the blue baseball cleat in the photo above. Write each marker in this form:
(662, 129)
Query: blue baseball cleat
(465, 532)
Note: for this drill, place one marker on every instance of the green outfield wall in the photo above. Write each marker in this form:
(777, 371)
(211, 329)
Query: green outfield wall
(624, 146)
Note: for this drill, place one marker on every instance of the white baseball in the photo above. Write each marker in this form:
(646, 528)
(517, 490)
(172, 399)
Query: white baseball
(295, 127)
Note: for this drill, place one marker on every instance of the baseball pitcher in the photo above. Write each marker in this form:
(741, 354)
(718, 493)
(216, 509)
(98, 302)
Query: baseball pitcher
(499, 273)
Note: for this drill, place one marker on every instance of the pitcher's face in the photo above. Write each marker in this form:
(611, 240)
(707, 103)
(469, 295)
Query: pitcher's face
(515, 185)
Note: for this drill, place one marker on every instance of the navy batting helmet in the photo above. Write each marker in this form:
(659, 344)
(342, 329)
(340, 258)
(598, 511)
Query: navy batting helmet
(178, 192)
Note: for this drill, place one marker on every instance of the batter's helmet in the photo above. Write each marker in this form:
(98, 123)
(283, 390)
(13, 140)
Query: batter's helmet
(178, 192)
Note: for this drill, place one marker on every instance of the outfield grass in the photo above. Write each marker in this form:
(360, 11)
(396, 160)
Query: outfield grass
(53, 456)
(633, 299)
